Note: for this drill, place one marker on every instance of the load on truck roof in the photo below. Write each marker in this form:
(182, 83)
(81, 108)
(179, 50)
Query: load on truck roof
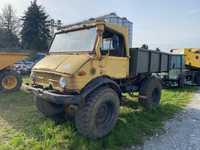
(110, 18)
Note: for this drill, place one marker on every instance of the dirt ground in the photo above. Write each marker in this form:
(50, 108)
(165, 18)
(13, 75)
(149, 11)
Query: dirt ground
(180, 133)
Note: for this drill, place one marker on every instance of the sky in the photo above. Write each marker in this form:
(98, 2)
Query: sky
(166, 24)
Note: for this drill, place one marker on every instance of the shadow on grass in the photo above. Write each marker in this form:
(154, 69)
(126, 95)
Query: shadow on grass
(28, 128)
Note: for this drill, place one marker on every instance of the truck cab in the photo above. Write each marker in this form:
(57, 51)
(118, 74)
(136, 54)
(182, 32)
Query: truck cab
(81, 54)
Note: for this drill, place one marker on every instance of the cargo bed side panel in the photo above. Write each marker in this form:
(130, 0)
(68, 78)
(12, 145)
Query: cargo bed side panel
(147, 61)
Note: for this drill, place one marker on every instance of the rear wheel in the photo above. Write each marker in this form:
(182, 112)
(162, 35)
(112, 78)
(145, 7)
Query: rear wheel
(99, 114)
(197, 78)
(10, 81)
(53, 111)
(181, 81)
(150, 93)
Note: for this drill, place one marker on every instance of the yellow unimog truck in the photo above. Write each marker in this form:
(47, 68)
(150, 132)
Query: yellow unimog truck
(87, 69)
(10, 80)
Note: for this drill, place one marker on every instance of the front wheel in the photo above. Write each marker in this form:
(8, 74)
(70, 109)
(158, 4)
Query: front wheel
(48, 109)
(150, 93)
(99, 114)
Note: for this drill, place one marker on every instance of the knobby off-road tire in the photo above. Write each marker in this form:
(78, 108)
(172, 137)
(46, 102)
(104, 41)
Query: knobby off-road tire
(69, 114)
(10, 81)
(97, 117)
(150, 92)
(48, 109)
(197, 78)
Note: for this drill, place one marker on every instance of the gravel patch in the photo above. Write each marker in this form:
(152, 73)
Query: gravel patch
(182, 132)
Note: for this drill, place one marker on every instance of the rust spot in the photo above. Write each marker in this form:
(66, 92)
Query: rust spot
(101, 66)
(93, 71)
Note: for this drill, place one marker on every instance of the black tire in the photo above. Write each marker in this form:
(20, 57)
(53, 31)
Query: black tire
(98, 116)
(69, 114)
(49, 109)
(13, 74)
(197, 78)
(181, 81)
(150, 93)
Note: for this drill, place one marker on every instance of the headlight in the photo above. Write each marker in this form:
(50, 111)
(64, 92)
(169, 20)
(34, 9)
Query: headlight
(62, 82)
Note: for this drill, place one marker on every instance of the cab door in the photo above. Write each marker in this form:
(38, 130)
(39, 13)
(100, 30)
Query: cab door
(114, 62)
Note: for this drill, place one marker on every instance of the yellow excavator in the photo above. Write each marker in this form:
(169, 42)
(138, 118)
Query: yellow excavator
(192, 58)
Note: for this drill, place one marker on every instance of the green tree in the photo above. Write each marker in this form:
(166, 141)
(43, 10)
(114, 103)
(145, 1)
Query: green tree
(9, 25)
(8, 40)
(35, 32)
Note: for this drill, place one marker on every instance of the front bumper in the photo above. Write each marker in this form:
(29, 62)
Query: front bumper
(54, 97)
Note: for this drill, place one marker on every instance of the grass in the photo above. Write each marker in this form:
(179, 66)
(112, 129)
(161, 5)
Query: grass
(22, 127)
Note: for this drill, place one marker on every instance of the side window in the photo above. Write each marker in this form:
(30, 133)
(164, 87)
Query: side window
(107, 44)
(113, 44)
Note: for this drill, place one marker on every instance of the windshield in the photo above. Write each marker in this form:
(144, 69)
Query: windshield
(75, 41)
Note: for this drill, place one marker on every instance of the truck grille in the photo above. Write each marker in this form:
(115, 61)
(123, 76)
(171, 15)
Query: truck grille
(47, 79)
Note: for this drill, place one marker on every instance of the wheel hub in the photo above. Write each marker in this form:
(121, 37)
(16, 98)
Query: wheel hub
(104, 114)
(9, 82)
